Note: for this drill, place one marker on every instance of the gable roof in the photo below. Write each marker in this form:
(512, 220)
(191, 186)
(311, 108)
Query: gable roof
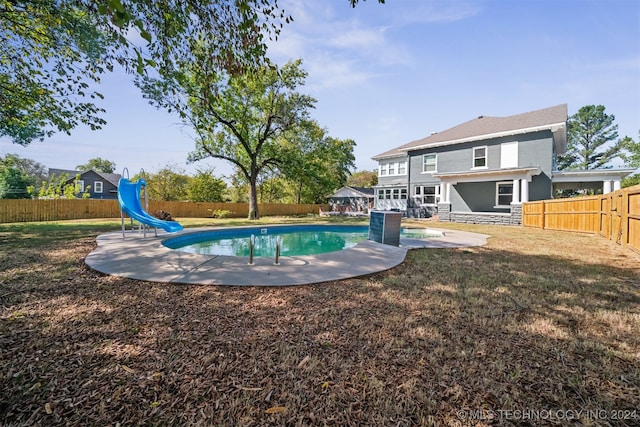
(487, 127)
(113, 178)
(348, 191)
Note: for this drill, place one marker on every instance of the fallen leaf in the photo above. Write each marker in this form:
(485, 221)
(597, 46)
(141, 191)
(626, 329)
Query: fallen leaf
(276, 410)
(303, 361)
(128, 369)
(47, 408)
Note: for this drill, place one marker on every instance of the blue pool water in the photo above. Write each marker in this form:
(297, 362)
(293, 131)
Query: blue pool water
(295, 240)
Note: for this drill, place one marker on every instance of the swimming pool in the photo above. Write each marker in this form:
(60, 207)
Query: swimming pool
(295, 240)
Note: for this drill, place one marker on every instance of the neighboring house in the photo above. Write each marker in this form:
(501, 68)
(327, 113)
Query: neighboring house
(482, 170)
(352, 200)
(99, 185)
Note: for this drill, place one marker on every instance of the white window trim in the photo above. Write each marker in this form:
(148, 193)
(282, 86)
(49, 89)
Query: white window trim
(486, 157)
(80, 186)
(498, 205)
(435, 165)
(98, 186)
(436, 195)
(384, 166)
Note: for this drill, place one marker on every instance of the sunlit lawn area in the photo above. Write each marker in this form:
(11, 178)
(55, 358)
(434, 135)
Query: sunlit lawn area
(529, 330)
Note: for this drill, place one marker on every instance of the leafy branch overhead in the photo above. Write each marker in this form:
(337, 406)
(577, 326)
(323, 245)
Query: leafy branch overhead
(54, 53)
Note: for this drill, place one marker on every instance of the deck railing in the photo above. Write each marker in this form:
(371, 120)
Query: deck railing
(26, 210)
(614, 216)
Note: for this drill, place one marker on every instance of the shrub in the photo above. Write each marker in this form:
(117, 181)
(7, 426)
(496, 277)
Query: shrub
(220, 213)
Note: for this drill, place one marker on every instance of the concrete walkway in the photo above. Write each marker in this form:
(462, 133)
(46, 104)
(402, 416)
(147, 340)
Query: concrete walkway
(136, 257)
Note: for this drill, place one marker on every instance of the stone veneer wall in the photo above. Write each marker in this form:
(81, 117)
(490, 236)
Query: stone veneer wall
(512, 218)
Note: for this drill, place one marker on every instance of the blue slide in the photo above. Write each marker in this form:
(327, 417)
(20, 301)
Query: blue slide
(129, 199)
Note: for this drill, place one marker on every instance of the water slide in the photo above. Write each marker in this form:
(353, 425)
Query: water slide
(129, 199)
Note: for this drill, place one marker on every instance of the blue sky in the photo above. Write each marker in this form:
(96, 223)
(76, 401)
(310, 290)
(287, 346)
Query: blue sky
(384, 75)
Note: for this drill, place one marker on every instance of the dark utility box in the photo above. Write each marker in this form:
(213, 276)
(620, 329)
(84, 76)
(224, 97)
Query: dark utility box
(384, 227)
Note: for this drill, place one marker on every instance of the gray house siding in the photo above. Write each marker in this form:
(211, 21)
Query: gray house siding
(90, 179)
(519, 153)
(109, 191)
(475, 197)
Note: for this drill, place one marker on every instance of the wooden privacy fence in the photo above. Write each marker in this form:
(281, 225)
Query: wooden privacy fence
(26, 210)
(615, 216)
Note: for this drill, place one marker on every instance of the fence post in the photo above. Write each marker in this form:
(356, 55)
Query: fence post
(624, 216)
(543, 213)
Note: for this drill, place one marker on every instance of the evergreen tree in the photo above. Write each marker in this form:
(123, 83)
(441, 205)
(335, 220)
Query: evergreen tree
(590, 134)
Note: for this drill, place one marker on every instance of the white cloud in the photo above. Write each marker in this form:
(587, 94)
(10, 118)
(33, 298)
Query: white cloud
(430, 12)
(336, 51)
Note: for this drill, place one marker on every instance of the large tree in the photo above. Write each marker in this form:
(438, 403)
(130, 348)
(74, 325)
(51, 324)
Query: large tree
(52, 52)
(169, 183)
(591, 136)
(27, 167)
(239, 118)
(632, 158)
(204, 186)
(365, 179)
(55, 52)
(98, 164)
(315, 163)
(632, 151)
(19, 176)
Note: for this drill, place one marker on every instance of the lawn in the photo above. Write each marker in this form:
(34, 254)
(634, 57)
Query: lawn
(536, 328)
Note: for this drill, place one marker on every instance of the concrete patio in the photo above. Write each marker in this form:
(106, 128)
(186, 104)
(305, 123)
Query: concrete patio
(145, 258)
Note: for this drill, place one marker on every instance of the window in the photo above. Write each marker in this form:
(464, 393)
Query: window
(402, 168)
(380, 194)
(387, 194)
(480, 157)
(429, 163)
(392, 168)
(403, 194)
(427, 195)
(97, 186)
(79, 186)
(504, 193)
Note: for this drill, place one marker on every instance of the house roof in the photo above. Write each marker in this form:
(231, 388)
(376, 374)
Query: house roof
(487, 127)
(111, 177)
(348, 191)
(591, 175)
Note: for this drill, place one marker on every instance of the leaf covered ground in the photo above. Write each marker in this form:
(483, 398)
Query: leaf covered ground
(536, 328)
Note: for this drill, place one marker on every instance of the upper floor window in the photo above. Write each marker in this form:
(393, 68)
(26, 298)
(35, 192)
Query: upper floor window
(429, 163)
(402, 168)
(392, 168)
(97, 186)
(480, 157)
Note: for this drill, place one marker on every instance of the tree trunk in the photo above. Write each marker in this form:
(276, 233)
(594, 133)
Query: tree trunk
(253, 199)
(299, 195)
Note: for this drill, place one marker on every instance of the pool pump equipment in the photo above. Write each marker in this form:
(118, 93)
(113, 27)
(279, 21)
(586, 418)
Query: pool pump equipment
(384, 227)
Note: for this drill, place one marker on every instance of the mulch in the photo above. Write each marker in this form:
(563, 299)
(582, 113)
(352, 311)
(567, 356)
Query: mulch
(402, 348)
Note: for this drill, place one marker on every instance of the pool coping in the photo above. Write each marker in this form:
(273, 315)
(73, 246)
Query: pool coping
(145, 258)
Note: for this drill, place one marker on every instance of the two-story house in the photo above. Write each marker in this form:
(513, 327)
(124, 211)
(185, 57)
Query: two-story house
(99, 185)
(482, 170)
